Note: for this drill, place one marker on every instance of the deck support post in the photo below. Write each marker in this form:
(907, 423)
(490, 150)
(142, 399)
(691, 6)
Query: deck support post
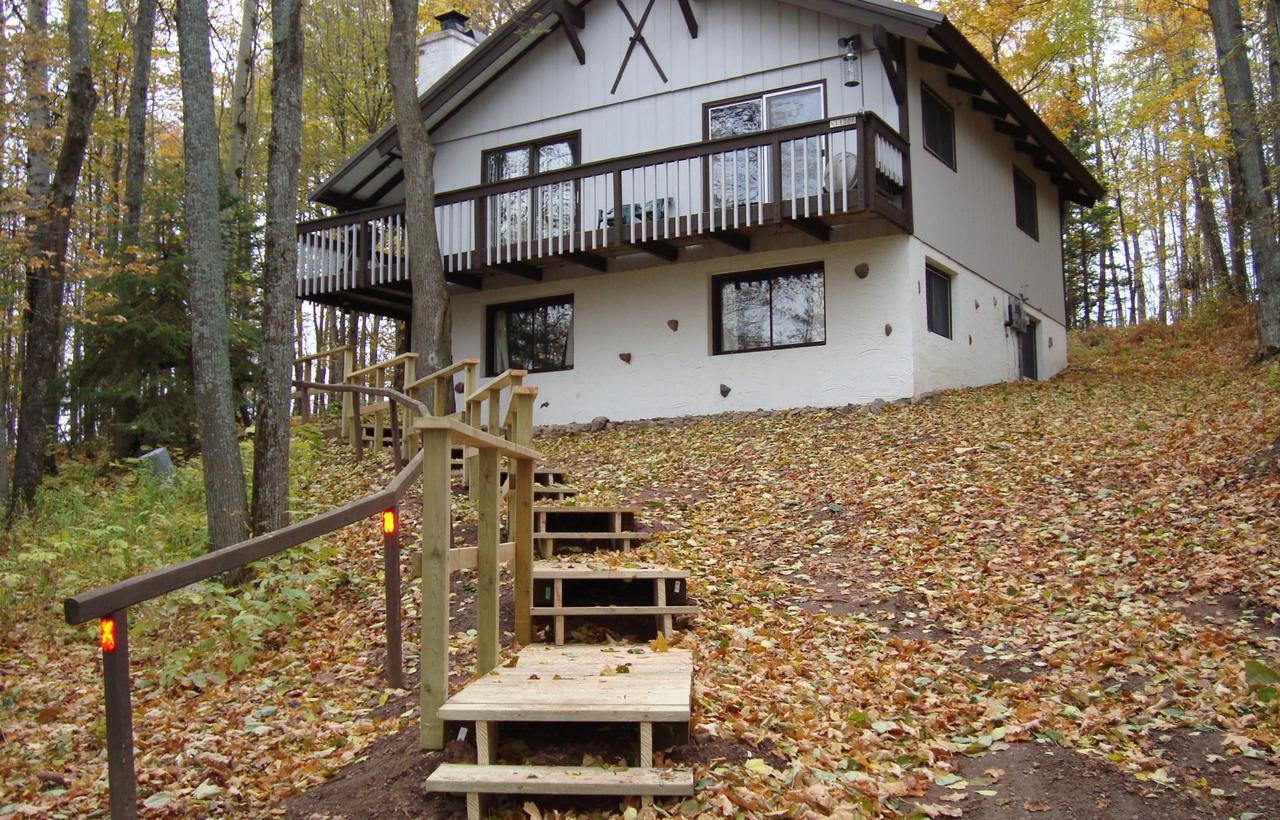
(520, 515)
(350, 424)
(436, 534)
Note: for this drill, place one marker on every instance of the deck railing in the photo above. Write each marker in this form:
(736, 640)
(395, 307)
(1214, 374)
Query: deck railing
(722, 186)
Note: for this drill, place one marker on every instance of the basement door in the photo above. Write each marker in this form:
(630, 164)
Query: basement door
(1027, 351)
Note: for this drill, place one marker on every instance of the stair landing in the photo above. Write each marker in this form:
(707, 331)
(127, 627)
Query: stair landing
(581, 683)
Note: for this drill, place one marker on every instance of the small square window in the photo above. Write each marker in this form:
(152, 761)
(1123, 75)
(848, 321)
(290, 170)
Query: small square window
(939, 127)
(937, 292)
(536, 336)
(1024, 204)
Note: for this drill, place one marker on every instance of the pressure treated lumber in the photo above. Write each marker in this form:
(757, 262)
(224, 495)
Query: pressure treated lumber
(575, 780)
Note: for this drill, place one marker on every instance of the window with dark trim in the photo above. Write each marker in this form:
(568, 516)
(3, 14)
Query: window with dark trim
(536, 335)
(937, 301)
(769, 309)
(1024, 204)
(524, 159)
(939, 127)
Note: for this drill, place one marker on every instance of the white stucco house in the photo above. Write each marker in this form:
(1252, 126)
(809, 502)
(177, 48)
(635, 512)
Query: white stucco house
(668, 207)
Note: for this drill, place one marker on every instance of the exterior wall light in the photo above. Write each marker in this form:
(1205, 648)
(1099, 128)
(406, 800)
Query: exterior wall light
(852, 45)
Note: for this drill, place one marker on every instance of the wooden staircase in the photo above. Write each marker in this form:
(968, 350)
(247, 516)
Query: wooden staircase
(558, 683)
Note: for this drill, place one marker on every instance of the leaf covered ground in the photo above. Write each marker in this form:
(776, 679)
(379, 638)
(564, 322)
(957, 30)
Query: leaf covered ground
(943, 608)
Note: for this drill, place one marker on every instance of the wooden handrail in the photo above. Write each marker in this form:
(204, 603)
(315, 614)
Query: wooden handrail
(442, 373)
(322, 354)
(520, 390)
(499, 382)
(469, 436)
(392, 362)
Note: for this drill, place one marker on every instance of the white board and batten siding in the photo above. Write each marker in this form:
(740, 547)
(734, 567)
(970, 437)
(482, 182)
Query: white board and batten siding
(968, 214)
(748, 47)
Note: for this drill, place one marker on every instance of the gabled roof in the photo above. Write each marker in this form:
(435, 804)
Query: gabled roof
(375, 167)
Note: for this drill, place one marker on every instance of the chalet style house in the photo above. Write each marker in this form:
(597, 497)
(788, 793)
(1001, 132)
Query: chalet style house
(669, 207)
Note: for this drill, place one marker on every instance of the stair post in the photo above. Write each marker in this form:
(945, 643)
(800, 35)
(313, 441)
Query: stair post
(350, 424)
(486, 496)
(437, 530)
(520, 513)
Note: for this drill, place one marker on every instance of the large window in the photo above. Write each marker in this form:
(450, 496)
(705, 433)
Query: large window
(547, 211)
(937, 298)
(1024, 204)
(536, 336)
(939, 127)
(765, 310)
(736, 176)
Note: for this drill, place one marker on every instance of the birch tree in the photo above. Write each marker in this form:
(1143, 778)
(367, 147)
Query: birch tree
(1237, 83)
(223, 470)
(271, 431)
(241, 88)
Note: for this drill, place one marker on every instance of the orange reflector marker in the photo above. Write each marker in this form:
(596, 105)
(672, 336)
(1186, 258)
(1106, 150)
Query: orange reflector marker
(107, 634)
(389, 522)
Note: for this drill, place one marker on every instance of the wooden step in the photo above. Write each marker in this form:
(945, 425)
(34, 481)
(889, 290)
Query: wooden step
(583, 508)
(544, 570)
(548, 611)
(576, 780)
(581, 684)
(590, 536)
(546, 491)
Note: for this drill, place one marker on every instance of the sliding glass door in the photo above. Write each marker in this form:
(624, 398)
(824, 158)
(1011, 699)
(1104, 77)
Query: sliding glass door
(545, 211)
(736, 177)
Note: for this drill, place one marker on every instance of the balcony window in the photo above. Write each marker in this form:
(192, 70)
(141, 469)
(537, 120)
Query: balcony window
(547, 210)
(771, 309)
(736, 176)
(536, 336)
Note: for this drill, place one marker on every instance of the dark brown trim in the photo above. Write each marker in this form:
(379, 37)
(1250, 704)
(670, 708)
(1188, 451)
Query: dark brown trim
(522, 269)
(764, 274)
(662, 250)
(965, 84)
(935, 57)
(934, 270)
(1010, 128)
(689, 20)
(572, 19)
(816, 228)
(523, 304)
(574, 138)
(892, 56)
(733, 239)
(587, 260)
(924, 139)
(984, 106)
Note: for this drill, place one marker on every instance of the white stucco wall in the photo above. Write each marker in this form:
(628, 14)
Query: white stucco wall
(675, 373)
(981, 349)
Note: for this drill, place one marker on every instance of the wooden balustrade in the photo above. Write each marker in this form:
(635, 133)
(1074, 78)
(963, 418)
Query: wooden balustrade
(306, 369)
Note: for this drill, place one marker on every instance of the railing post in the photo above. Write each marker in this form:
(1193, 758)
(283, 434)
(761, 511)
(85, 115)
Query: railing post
(115, 677)
(364, 251)
(482, 233)
(469, 468)
(775, 178)
(397, 460)
(520, 514)
(348, 399)
(616, 233)
(487, 560)
(867, 155)
(438, 388)
(391, 576)
(436, 528)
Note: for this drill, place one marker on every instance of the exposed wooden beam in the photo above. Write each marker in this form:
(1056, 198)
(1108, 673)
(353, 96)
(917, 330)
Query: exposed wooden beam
(893, 55)
(1010, 128)
(965, 84)
(524, 269)
(466, 280)
(689, 20)
(735, 240)
(985, 106)
(572, 19)
(387, 186)
(936, 57)
(587, 260)
(662, 250)
(816, 228)
(1030, 149)
(1050, 167)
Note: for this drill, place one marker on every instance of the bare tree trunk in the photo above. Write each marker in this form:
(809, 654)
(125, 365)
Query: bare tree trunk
(1210, 235)
(241, 88)
(1237, 83)
(49, 255)
(271, 431)
(1235, 227)
(215, 409)
(429, 325)
(1115, 285)
(1272, 41)
(144, 28)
